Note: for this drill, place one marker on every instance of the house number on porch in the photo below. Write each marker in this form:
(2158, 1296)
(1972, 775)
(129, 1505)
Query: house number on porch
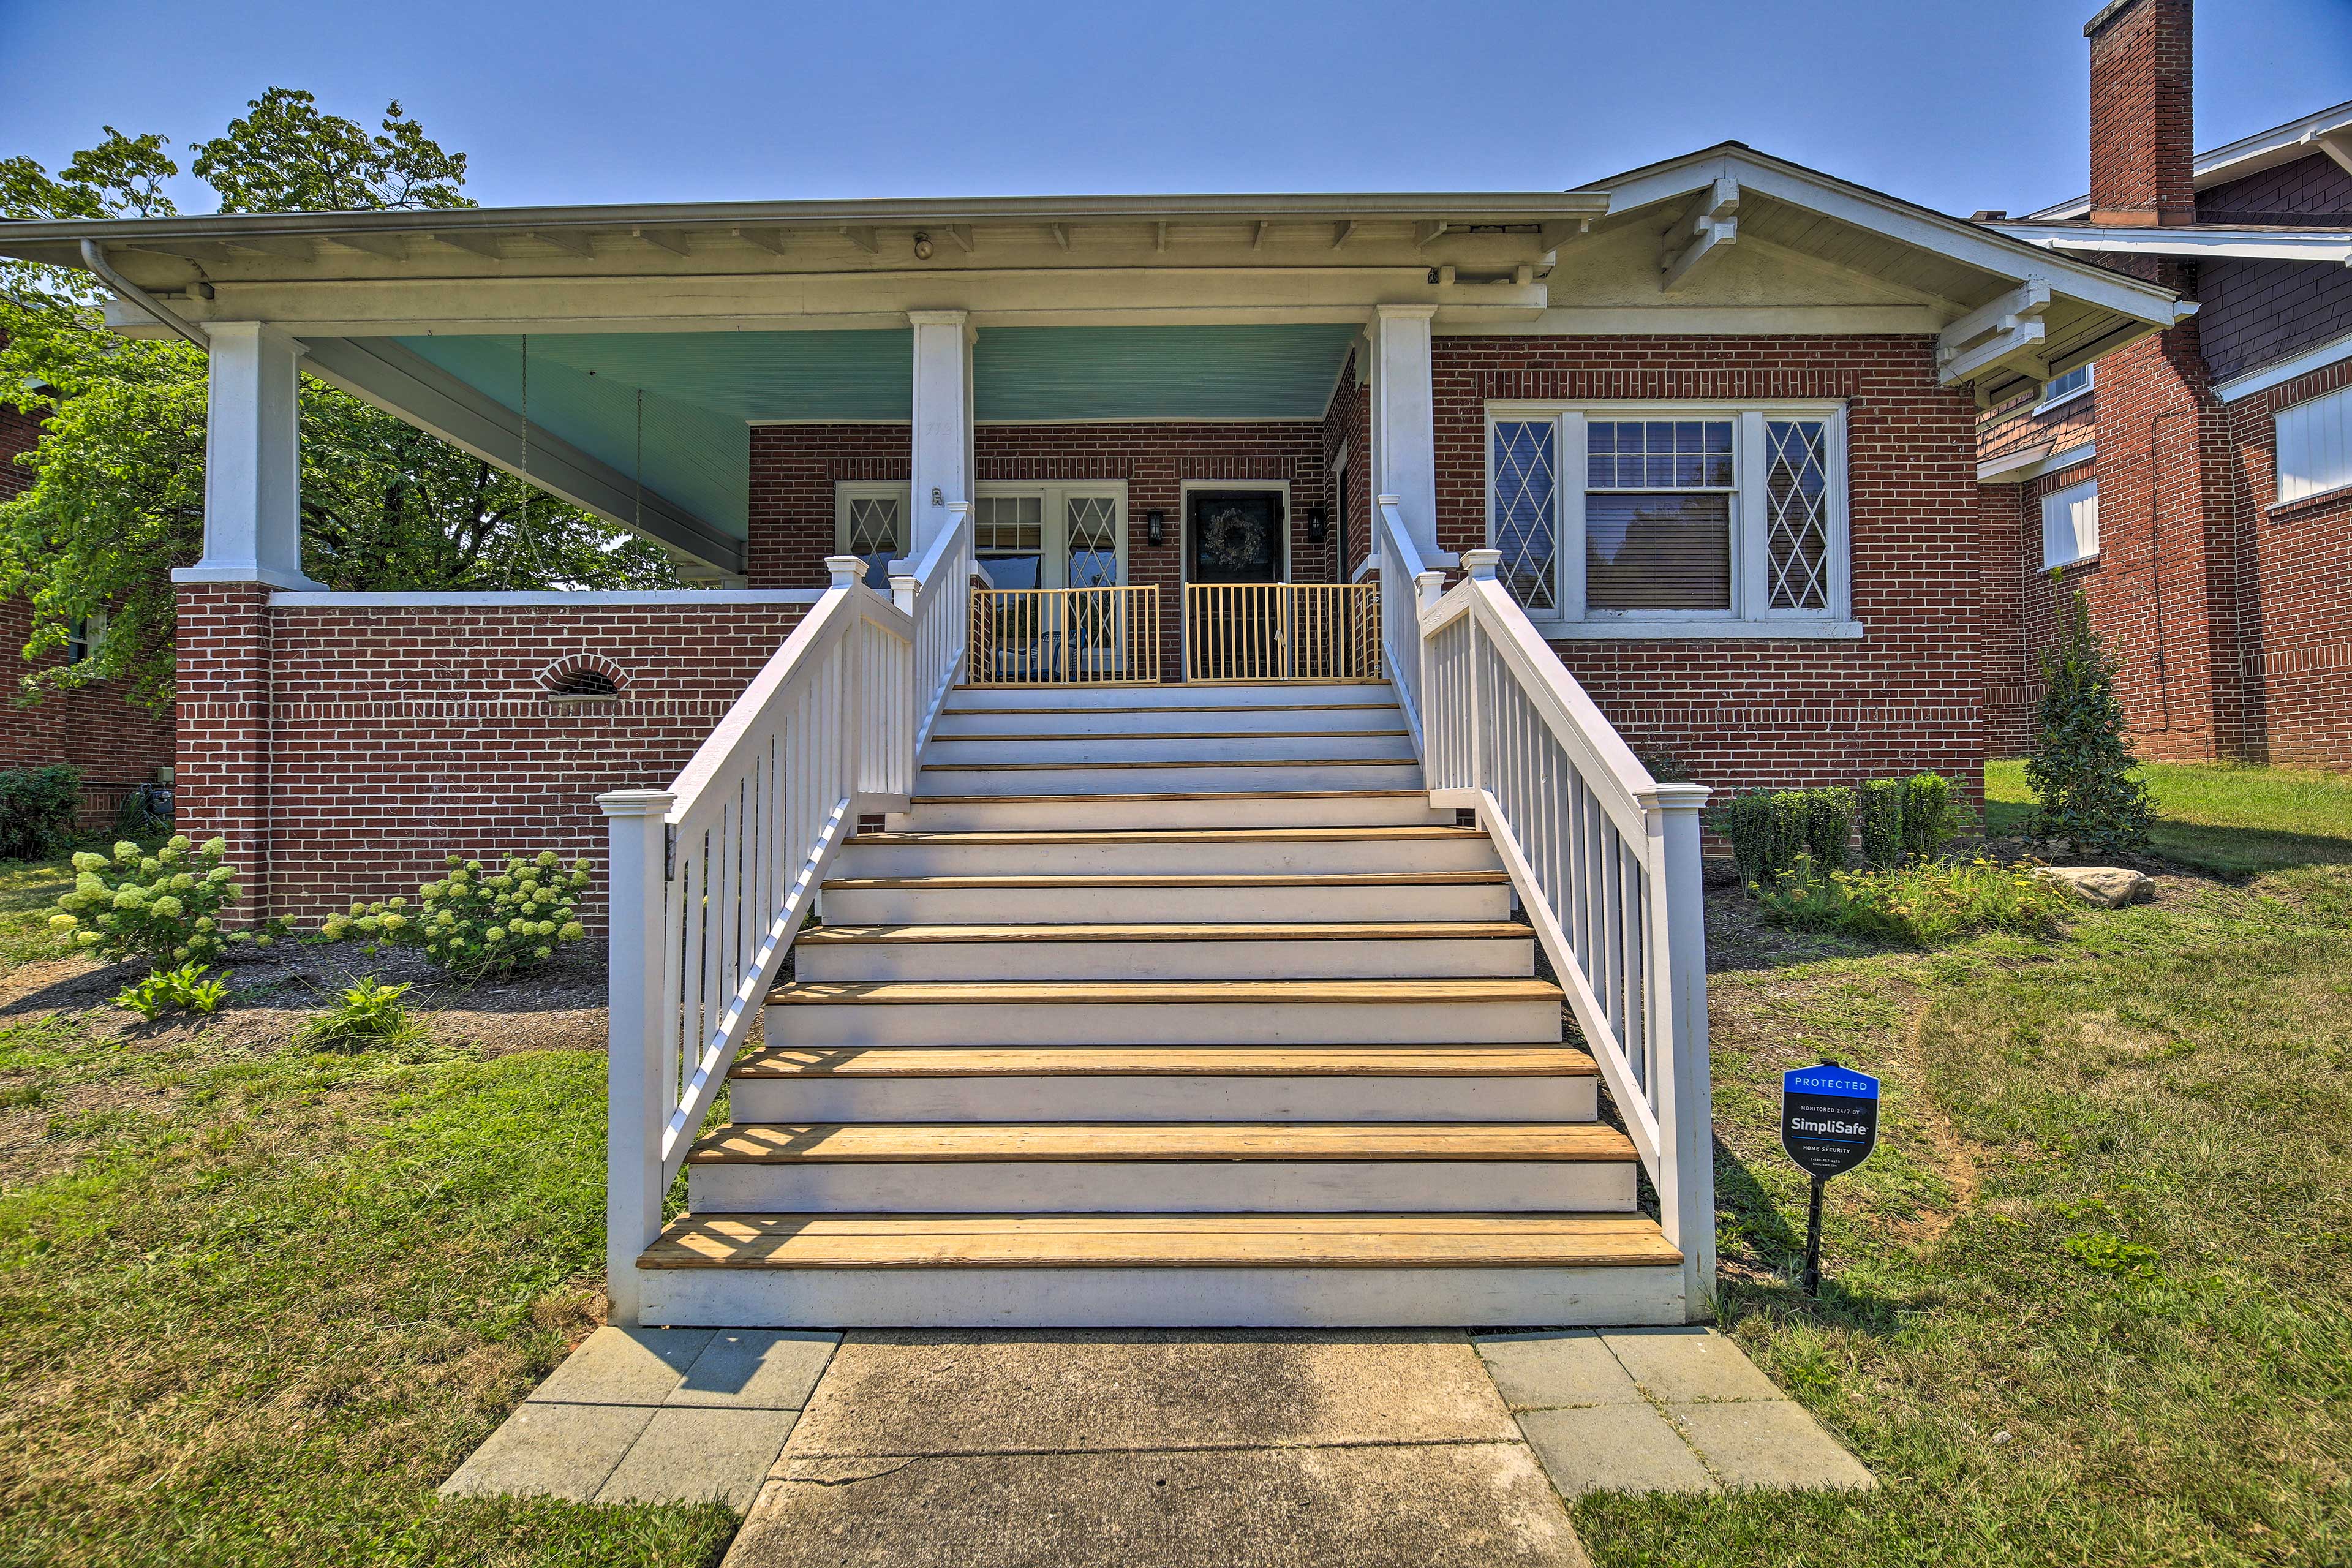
(1829, 1124)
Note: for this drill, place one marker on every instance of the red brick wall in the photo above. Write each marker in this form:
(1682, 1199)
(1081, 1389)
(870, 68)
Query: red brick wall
(1909, 694)
(2142, 89)
(2020, 610)
(795, 467)
(113, 742)
(1347, 422)
(397, 735)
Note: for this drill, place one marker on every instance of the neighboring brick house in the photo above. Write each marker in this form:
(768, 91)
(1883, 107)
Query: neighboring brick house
(115, 745)
(2196, 485)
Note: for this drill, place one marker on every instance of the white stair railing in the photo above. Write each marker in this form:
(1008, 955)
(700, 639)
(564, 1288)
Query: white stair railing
(1606, 862)
(1408, 586)
(712, 878)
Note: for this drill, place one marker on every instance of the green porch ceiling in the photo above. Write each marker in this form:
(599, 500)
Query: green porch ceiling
(702, 391)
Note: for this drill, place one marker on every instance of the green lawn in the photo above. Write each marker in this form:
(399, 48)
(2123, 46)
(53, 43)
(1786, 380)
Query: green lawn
(2218, 816)
(255, 1303)
(2087, 1303)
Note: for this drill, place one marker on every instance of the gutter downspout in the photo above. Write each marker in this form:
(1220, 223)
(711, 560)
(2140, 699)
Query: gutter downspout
(94, 258)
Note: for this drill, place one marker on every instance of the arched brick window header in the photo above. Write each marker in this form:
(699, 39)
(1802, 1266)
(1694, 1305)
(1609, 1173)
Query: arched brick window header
(584, 675)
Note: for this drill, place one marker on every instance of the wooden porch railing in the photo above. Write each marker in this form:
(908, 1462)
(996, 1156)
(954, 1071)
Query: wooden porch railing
(1065, 637)
(712, 878)
(1282, 631)
(1606, 862)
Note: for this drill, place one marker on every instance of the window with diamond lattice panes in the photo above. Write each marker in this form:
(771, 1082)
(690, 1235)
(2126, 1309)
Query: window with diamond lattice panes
(1797, 513)
(1657, 515)
(1094, 542)
(1525, 509)
(874, 537)
(1009, 531)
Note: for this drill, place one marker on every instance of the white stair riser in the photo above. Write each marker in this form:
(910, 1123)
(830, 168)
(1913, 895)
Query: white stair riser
(1412, 810)
(978, 699)
(1371, 959)
(1166, 1024)
(1163, 1098)
(1219, 778)
(1146, 904)
(1143, 856)
(1161, 1298)
(1158, 1186)
(1112, 750)
(1162, 721)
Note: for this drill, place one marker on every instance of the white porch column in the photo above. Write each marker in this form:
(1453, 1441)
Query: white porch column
(253, 460)
(1404, 426)
(942, 468)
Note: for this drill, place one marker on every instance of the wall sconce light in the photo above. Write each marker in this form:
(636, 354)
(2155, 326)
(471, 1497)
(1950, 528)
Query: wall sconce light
(922, 245)
(1318, 524)
(1155, 525)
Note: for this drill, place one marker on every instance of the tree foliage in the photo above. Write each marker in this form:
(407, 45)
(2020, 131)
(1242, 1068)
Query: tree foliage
(2081, 772)
(116, 498)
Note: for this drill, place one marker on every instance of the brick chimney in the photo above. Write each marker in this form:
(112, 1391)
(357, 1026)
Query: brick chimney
(2143, 98)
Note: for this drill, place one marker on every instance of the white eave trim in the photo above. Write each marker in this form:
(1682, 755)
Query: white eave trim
(2316, 245)
(2033, 462)
(2247, 155)
(2316, 357)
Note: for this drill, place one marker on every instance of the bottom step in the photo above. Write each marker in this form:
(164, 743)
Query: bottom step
(1074, 1270)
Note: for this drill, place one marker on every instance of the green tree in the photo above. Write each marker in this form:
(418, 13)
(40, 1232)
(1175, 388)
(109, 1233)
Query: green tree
(117, 493)
(2081, 772)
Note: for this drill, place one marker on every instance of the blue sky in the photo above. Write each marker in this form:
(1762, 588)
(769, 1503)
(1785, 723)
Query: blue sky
(1958, 105)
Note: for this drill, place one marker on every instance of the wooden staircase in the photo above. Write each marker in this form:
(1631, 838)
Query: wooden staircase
(1164, 1007)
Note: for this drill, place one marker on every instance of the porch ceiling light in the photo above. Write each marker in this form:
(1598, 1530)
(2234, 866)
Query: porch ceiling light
(1154, 525)
(1317, 524)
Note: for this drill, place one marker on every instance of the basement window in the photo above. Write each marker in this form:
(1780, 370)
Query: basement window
(583, 678)
(2070, 525)
(1672, 520)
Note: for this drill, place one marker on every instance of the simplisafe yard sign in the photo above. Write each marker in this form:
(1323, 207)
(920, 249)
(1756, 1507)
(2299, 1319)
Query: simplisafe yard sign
(1829, 1124)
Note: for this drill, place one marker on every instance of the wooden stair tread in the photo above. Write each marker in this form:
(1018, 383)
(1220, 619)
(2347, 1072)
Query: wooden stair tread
(1179, 993)
(1049, 837)
(1301, 707)
(1148, 1240)
(1096, 764)
(1148, 1061)
(1363, 931)
(1065, 797)
(1122, 735)
(1183, 879)
(934, 1142)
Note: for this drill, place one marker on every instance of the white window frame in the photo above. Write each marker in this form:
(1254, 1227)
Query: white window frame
(2090, 384)
(1750, 615)
(2067, 495)
(2326, 467)
(1055, 495)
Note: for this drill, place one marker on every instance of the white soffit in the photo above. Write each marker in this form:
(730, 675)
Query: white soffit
(2033, 462)
(2319, 247)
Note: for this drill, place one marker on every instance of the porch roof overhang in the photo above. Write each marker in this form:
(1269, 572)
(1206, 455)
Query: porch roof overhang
(2318, 245)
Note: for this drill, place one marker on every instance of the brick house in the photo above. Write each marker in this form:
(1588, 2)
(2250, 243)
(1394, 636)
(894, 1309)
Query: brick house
(115, 745)
(2201, 492)
(1123, 598)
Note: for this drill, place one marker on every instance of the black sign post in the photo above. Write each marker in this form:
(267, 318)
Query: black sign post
(1829, 1124)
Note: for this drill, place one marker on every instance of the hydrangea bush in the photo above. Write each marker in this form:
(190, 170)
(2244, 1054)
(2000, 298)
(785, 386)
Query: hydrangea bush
(473, 922)
(163, 908)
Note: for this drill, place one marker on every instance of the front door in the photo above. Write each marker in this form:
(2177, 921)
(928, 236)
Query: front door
(1233, 557)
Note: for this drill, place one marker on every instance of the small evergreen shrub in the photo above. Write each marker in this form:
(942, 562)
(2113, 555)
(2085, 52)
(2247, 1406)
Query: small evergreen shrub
(2081, 770)
(36, 811)
(1923, 904)
(184, 988)
(164, 908)
(1931, 817)
(474, 923)
(1878, 817)
(1769, 830)
(370, 1014)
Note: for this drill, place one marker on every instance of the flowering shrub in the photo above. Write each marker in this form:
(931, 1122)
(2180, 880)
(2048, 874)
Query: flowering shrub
(163, 908)
(474, 923)
(1921, 905)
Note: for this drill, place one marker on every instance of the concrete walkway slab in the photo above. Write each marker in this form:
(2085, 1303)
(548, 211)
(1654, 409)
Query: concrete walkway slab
(1682, 1365)
(654, 1415)
(1614, 1447)
(1558, 1370)
(1770, 1443)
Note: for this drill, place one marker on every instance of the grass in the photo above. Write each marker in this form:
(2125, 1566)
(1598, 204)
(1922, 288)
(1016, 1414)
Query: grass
(1921, 905)
(2087, 1302)
(2229, 819)
(255, 1304)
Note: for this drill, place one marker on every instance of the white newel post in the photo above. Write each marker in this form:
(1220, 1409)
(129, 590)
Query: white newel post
(1677, 1022)
(1404, 419)
(253, 460)
(941, 468)
(638, 1100)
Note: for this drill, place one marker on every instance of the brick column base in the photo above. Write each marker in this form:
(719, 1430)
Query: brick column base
(222, 712)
